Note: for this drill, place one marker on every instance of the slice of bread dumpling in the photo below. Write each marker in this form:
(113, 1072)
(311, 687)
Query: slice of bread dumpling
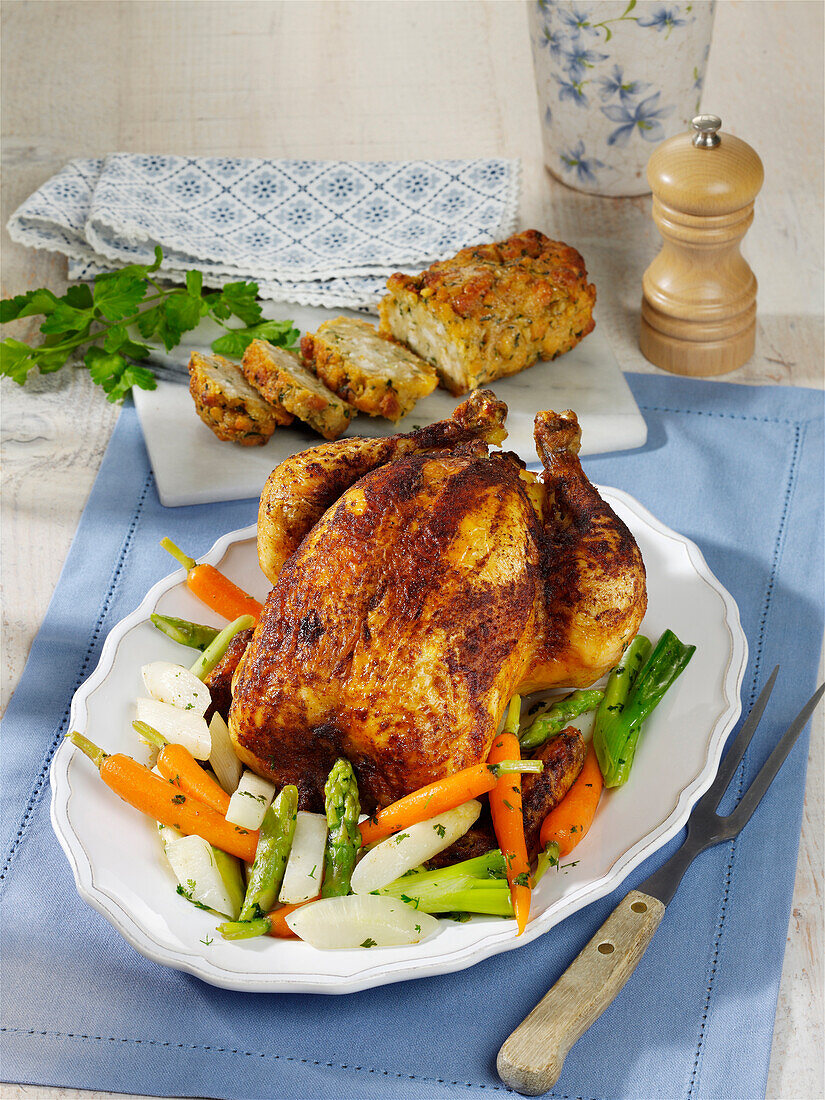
(227, 404)
(283, 379)
(372, 371)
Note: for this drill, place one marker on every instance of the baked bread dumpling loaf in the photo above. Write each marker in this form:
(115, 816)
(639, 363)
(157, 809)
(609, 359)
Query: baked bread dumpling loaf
(370, 371)
(284, 380)
(493, 309)
(227, 404)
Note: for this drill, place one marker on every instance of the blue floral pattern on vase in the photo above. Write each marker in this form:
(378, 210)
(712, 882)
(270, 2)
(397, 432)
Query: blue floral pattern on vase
(643, 117)
(613, 79)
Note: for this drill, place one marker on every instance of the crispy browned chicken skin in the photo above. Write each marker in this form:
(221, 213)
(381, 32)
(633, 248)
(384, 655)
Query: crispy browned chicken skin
(419, 595)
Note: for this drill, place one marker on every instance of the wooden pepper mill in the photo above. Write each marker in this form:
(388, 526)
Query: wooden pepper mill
(699, 295)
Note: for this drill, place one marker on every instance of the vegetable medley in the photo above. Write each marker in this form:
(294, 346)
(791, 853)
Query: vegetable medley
(243, 850)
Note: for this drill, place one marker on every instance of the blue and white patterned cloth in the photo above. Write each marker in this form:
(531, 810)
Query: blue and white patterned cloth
(325, 233)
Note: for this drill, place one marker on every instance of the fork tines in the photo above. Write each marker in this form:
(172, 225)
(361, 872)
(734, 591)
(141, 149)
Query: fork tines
(733, 823)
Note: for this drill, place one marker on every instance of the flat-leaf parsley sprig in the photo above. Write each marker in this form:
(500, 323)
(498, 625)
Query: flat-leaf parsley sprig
(102, 318)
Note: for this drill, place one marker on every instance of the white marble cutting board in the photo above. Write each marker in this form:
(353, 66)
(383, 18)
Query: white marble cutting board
(192, 466)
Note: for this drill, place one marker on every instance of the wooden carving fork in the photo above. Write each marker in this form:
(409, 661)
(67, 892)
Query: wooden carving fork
(531, 1060)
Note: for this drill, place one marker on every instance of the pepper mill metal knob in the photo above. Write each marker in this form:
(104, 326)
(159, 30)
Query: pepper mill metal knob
(699, 295)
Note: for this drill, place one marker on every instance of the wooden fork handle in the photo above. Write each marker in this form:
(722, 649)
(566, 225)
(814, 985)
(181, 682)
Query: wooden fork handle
(531, 1060)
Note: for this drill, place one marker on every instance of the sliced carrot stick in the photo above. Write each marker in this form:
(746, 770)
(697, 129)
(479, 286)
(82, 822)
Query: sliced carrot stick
(508, 822)
(213, 588)
(435, 798)
(164, 802)
(180, 767)
(570, 820)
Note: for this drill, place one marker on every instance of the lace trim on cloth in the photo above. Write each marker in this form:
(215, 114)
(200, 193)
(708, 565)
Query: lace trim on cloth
(323, 233)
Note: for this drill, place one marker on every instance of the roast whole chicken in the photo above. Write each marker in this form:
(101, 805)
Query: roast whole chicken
(420, 581)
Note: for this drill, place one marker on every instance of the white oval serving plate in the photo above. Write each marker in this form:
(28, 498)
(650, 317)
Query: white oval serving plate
(115, 854)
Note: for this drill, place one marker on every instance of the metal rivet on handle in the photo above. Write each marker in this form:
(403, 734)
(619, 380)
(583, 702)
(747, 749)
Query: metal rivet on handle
(606, 948)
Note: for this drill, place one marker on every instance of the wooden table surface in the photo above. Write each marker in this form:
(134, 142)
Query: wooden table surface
(382, 80)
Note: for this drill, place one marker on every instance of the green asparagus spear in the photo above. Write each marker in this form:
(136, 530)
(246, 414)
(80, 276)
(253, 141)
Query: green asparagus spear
(219, 645)
(274, 843)
(193, 635)
(344, 839)
(620, 737)
(557, 716)
(245, 929)
(619, 685)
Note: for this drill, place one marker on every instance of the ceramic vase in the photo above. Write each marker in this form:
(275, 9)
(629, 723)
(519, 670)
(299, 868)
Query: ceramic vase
(613, 80)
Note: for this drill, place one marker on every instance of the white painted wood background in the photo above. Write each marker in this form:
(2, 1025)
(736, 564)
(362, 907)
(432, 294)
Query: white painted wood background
(381, 79)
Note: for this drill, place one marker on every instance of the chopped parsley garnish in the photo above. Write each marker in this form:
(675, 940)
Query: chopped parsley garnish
(188, 895)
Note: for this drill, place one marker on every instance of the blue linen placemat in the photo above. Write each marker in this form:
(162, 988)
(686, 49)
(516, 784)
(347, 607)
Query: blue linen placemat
(739, 470)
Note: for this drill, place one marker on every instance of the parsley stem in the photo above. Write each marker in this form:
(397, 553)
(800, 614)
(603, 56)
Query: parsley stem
(92, 337)
(83, 324)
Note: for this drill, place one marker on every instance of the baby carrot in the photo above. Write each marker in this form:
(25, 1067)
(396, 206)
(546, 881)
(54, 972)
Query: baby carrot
(213, 588)
(426, 802)
(164, 802)
(570, 820)
(273, 924)
(508, 822)
(179, 766)
(444, 794)
(277, 920)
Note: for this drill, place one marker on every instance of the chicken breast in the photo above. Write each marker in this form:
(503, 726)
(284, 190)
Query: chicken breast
(395, 633)
(492, 310)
